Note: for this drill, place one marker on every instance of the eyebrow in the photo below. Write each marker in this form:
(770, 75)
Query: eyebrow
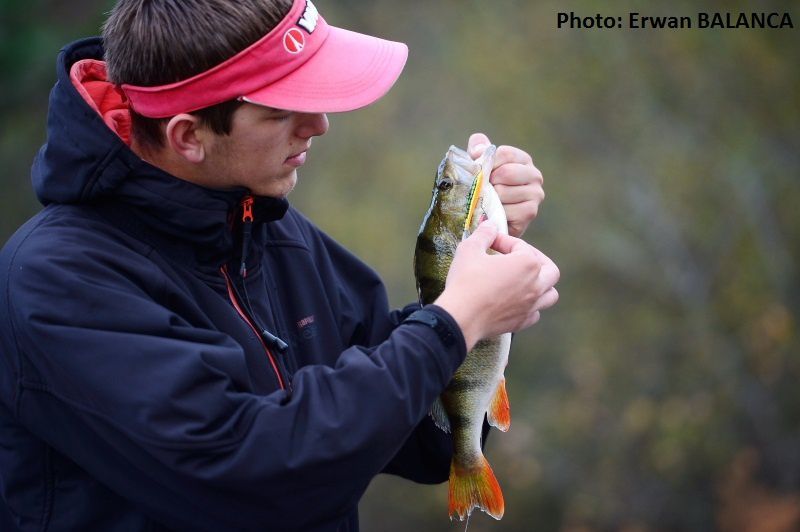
(274, 110)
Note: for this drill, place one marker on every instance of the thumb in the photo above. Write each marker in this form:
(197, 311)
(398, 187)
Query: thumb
(484, 236)
(476, 144)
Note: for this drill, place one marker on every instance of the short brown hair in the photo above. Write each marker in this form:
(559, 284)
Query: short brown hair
(156, 42)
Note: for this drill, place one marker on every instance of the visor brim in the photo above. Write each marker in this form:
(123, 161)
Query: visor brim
(349, 71)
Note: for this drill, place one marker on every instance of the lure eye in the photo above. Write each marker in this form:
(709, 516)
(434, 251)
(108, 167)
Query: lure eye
(445, 184)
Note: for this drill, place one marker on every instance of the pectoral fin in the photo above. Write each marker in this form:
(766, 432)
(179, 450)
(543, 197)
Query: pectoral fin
(499, 414)
(439, 415)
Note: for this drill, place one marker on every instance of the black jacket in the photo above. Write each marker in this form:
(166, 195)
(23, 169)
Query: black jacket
(134, 395)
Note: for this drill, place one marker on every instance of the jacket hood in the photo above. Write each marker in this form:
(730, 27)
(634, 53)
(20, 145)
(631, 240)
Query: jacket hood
(85, 161)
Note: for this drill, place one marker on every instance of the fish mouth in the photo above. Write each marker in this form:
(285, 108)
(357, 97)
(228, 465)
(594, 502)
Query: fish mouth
(474, 170)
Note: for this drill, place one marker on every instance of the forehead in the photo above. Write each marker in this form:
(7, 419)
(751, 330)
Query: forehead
(253, 119)
(248, 109)
(252, 125)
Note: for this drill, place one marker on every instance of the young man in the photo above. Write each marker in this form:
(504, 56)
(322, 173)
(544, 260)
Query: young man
(180, 349)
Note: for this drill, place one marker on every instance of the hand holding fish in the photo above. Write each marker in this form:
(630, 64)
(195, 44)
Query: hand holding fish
(515, 284)
(517, 181)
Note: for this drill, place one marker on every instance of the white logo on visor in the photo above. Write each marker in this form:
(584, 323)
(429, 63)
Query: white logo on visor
(309, 19)
(293, 41)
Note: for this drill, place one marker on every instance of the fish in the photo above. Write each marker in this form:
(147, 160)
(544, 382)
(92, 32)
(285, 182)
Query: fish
(462, 198)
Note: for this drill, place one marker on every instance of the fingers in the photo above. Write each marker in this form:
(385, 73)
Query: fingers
(510, 154)
(516, 173)
(547, 300)
(476, 144)
(537, 264)
(510, 195)
(521, 207)
(506, 244)
(549, 274)
(512, 166)
(519, 185)
(483, 237)
(520, 215)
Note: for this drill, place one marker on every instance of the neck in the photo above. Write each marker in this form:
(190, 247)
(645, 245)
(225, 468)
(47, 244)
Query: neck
(166, 160)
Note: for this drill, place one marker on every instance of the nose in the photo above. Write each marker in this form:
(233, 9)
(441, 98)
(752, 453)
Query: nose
(311, 125)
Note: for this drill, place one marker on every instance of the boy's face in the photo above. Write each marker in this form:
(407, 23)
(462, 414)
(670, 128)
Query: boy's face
(263, 151)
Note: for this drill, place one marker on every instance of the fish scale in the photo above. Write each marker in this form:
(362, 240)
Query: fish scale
(462, 197)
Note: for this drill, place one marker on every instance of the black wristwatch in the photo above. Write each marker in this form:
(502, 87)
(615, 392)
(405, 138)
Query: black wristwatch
(432, 320)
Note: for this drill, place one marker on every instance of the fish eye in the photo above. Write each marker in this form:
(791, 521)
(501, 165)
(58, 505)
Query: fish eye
(445, 184)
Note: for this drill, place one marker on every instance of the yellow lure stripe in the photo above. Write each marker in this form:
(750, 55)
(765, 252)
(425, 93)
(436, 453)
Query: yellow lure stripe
(473, 199)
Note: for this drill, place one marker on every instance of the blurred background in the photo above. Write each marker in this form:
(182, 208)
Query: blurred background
(662, 393)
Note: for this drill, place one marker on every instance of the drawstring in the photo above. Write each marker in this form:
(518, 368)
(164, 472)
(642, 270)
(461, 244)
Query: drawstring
(274, 341)
(247, 230)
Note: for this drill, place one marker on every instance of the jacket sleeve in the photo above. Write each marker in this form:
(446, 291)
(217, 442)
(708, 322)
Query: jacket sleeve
(365, 319)
(151, 406)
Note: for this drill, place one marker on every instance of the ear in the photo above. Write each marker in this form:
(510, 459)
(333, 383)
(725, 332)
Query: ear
(184, 134)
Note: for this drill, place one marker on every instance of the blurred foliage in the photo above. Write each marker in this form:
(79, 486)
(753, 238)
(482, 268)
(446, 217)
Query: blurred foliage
(31, 33)
(661, 393)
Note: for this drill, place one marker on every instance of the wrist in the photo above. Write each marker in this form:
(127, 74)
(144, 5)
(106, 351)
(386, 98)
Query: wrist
(464, 316)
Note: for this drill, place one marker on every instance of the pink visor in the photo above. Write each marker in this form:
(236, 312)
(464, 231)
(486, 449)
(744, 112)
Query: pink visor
(303, 64)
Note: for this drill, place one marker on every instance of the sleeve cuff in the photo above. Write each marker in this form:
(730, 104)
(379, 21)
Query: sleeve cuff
(446, 329)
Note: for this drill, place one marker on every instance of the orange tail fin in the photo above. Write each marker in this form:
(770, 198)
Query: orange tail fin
(475, 488)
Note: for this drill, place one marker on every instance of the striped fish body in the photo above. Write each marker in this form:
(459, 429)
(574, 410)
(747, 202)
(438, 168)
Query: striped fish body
(462, 198)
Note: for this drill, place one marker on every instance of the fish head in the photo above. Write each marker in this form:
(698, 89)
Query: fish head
(459, 198)
(457, 189)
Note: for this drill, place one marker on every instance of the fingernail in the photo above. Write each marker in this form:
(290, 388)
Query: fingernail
(478, 149)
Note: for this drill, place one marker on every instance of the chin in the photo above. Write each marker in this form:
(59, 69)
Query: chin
(290, 184)
(277, 188)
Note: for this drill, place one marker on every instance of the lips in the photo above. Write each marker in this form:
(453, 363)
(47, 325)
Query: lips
(297, 159)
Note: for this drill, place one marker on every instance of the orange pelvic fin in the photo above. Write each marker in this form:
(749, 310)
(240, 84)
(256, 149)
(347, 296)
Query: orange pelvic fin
(474, 488)
(499, 414)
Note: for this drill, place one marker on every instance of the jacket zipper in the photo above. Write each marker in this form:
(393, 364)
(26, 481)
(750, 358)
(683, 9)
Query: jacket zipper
(246, 318)
(247, 228)
(289, 362)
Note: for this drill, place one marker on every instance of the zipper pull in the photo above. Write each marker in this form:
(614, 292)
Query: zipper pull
(247, 228)
(247, 208)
